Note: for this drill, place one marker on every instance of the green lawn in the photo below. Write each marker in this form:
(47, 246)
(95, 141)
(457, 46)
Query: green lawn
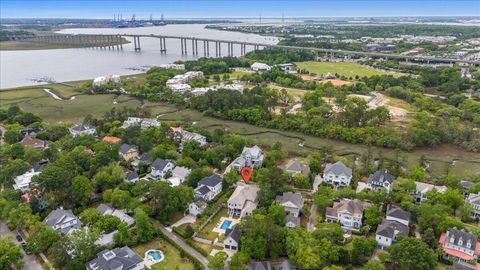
(347, 69)
(172, 255)
(207, 231)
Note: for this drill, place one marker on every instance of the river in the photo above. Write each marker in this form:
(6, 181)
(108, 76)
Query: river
(18, 68)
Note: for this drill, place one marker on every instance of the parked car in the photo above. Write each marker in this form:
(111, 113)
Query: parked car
(19, 238)
(24, 247)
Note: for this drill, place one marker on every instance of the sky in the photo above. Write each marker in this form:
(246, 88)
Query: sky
(231, 9)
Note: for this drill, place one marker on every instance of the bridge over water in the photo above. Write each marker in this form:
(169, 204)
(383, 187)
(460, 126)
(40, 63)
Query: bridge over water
(114, 41)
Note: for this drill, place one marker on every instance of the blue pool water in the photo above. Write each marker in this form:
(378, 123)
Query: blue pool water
(226, 224)
(155, 255)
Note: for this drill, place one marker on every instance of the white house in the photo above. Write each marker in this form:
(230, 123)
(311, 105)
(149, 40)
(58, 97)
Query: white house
(337, 174)
(251, 157)
(181, 135)
(349, 213)
(380, 180)
(474, 201)
(243, 200)
(161, 168)
(393, 227)
(82, 129)
(209, 187)
(232, 238)
(260, 67)
(197, 207)
(142, 122)
(179, 174)
(117, 259)
(63, 221)
(292, 202)
(22, 182)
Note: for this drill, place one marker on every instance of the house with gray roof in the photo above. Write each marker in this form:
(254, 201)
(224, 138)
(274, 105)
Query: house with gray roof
(243, 200)
(63, 221)
(143, 158)
(459, 244)
(296, 167)
(161, 168)
(128, 152)
(380, 180)
(292, 202)
(232, 238)
(421, 190)
(277, 264)
(474, 201)
(107, 210)
(209, 187)
(82, 129)
(179, 175)
(251, 157)
(131, 177)
(465, 186)
(399, 215)
(461, 265)
(389, 231)
(291, 221)
(116, 259)
(337, 174)
(349, 213)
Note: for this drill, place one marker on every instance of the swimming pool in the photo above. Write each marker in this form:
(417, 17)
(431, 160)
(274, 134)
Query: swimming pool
(155, 255)
(226, 224)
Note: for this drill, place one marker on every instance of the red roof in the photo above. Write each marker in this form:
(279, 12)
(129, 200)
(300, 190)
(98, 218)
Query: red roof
(111, 139)
(457, 253)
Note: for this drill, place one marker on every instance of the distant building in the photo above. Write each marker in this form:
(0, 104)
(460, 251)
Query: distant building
(243, 200)
(260, 67)
(117, 259)
(131, 177)
(295, 167)
(251, 157)
(179, 175)
(181, 135)
(209, 187)
(349, 213)
(232, 238)
(111, 139)
(82, 129)
(63, 221)
(22, 182)
(421, 190)
(108, 79)
(161, 168)
(288, 68)
(128, 152)
(337, 174)
(380, 180)
(34, 143)
(459, 245)
(142, 122)
(474, 201)
(465, 186)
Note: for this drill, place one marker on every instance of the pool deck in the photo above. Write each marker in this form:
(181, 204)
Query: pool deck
(217, 229)
(148, 262)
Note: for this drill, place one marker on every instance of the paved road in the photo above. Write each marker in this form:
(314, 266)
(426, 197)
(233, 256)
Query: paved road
(185, 246)
(311, 219)
(31, 262)
(188, 219)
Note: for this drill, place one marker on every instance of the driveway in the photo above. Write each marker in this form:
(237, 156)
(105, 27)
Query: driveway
(311, 219)
(31, 262)
(185, 246)
(188, 219)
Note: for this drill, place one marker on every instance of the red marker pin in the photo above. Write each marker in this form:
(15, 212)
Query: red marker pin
(246, 173)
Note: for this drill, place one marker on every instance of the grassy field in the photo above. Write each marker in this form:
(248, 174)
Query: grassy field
(172, 255)
(347, 69)
(34, 99)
